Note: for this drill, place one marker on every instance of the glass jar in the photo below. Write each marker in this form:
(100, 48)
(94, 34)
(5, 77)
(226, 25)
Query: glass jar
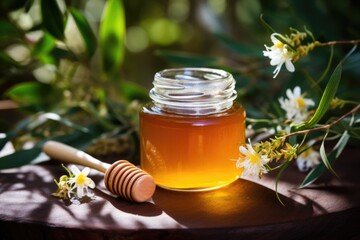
(191, 132)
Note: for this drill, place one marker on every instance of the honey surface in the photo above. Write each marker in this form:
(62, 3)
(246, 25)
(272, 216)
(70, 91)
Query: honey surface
(191, 152)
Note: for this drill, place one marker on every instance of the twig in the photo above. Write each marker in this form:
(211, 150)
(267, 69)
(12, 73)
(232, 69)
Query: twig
(331, 43)
(355, 109)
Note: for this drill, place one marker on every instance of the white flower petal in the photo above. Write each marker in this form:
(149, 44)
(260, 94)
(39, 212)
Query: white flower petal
(274, 39)
(80, 192)
(86, 171)
(74, 169)
(90, 183)
(301, 164)
(295, 112)
(290, 94)
(243, 150)
(297, 91)
(289, 66)
(275, 61)
(277, 70)
(309, 102)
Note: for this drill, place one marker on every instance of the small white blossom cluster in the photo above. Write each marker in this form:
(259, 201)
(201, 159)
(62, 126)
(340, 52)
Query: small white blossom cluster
(296, 106)
(76, 185)
(279, 53)
(288, 49)
(252, 163)
(255, 163)
(254, 159)
(308, 159)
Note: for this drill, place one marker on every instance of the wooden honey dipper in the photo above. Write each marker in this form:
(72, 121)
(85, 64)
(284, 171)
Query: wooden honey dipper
(121, 178)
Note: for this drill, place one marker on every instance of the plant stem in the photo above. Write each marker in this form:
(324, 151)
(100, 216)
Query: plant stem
(327, 126)
(331, 43)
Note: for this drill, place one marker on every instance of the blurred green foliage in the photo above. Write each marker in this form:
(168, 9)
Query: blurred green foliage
(94, 59)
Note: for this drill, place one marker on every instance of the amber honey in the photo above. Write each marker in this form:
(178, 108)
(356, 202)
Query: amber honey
(190, 153)
(190, 134)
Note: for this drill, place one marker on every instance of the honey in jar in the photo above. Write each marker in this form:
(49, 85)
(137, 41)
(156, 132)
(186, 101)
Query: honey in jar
(191, 132)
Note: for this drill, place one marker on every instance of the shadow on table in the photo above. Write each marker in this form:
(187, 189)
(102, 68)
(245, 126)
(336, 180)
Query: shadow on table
(242, 203)
(146, 209)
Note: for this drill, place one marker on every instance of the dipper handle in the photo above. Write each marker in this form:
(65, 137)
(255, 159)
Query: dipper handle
(69, 154)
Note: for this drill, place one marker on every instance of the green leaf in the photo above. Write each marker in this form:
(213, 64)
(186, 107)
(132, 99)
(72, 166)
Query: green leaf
(32, 93)
(314, 174)
(324, 157)
(239, 48)
(59, 53)
(4, 138)
(19, 158)
(43, 117)
(346, 125)
(19, 127)
(340, 146)
(326, 98)
(133, 91)
(22, 157)
(77, 139)
(355, 133)
(44, 47)
(52, 18)
(187, 59)
(7, 30)
(29, 124)
(111, 36)
(85, 30)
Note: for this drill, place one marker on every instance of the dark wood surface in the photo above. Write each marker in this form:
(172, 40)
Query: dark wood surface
(329, 209)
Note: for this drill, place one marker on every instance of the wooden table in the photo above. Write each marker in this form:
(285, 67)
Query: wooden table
(329, 209)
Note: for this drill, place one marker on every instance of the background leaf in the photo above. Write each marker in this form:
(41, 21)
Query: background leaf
(21, 126)
(85, 30)
(314, 174)
(19, 158)
(77, 139)
(328, 95)
(325, 158)
(52, 18)
(7, 29)
(111, 36)
(132, 91)
(33, 93)
(43, 48)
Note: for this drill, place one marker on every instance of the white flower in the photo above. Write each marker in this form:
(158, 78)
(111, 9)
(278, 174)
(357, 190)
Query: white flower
(80, 181)
(252, 162)
(279, 54)
(308, 159)
(296, 106)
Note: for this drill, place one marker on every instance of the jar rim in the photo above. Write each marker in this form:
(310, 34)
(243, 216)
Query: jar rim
(193, 91)
(207, 73)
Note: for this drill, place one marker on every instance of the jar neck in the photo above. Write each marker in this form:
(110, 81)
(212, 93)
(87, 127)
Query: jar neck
(193, 91)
